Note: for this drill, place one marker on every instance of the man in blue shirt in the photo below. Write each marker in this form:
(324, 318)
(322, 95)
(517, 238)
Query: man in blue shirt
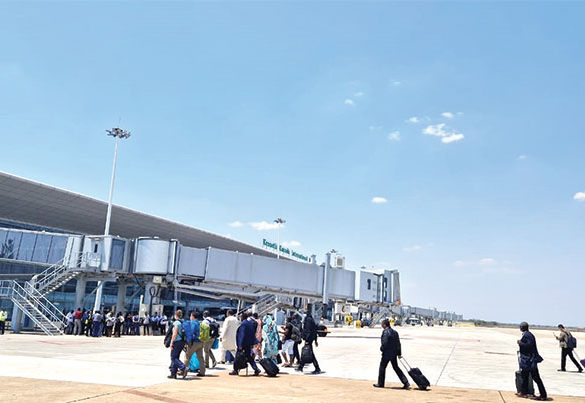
(154, 323)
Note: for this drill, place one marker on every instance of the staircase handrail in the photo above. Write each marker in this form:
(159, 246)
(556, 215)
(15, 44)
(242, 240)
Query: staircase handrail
(35, 296)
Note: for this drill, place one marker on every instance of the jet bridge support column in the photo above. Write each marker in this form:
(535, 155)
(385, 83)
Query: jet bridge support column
(80, 284)
(121, 300)
(325, 285)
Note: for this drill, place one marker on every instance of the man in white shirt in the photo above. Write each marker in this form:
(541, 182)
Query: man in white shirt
(228, 335)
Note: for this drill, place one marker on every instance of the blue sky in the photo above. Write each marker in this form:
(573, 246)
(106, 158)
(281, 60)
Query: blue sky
(466, 118)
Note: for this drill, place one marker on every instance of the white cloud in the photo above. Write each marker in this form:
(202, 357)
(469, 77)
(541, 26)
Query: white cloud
(375, 128)
(396, 83)
(413, 119)
(459, 263)
(265, 225)
(452, 137)
(413, 248)
(291, 244)
(447, 115)
(579, 196)
(521, 157)
(228, 236)
(236, 224)
(486, 261)
(447, 136)
(359, 94)
(435, 130)
(394, 136)
(379, 200)
(349, 101)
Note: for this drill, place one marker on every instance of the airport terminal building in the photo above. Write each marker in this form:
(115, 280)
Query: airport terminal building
(52, 259)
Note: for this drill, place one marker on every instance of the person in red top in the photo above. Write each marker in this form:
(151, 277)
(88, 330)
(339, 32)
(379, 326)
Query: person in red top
(77, 322)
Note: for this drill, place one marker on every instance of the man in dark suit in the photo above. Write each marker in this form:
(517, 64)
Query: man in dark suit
(391, 351)
(529, 359)
(309, 334)
(245, 340)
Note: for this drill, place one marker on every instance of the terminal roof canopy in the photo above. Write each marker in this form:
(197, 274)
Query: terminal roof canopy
(32, 202)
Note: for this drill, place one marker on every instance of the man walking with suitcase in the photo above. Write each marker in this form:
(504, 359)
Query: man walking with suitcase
(529, 359)
(391, 351)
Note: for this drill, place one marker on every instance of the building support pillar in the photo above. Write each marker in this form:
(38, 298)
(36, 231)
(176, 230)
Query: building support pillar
(150, 295)
(16, 320)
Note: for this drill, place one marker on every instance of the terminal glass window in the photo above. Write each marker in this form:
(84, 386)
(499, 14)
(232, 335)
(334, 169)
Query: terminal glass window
(27, 246)
(57, 251)
(369, 284)
(9, 248)
(117, 257)
(41, 252)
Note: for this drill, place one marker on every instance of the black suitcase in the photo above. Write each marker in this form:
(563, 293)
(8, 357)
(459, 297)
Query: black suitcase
(417, 376)
(519, 383)
(269, 366)
(519, 380)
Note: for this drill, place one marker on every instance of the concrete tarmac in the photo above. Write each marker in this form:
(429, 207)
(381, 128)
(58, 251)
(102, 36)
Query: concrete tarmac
(462, 364)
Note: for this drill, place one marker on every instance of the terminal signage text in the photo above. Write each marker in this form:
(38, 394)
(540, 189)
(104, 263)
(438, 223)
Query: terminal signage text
(283, 250)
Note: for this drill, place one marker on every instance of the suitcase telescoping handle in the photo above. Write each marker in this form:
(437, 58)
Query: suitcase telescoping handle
(405, 363)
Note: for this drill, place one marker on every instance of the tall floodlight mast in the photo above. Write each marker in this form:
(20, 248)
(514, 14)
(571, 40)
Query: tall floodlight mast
(118, 134)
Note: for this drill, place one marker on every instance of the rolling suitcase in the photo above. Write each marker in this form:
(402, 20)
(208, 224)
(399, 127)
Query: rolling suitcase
(578, 359)
(269, 366)
(417, 376)
(519, 380)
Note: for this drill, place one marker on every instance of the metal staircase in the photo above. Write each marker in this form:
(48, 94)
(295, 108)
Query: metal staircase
(30, 297)
(265, 305)
(55, 276)
(383, 313)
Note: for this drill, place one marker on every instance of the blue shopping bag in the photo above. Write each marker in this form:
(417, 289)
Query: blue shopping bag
(194, 363)
(215, 344)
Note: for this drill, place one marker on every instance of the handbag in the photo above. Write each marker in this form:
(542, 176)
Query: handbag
(307, 354)
(241, 361)
(215, 345)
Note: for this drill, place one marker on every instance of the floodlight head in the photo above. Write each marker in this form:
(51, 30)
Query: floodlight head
(117, 132)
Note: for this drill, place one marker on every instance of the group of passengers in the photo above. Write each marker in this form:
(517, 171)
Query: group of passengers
(242, 340)
(110, 324)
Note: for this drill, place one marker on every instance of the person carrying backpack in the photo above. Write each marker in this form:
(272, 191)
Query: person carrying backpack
(192, 343)
(310, 336)
(567, 343)
(177, 344)
(213, 334)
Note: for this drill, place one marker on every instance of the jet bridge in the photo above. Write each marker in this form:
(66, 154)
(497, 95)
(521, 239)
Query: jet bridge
(230, 272)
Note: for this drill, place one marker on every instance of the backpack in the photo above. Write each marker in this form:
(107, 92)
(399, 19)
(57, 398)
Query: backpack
(213, 330)
(204, 331)
(571, 341)
(296, 334)
(191, 331)
(169, 335)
